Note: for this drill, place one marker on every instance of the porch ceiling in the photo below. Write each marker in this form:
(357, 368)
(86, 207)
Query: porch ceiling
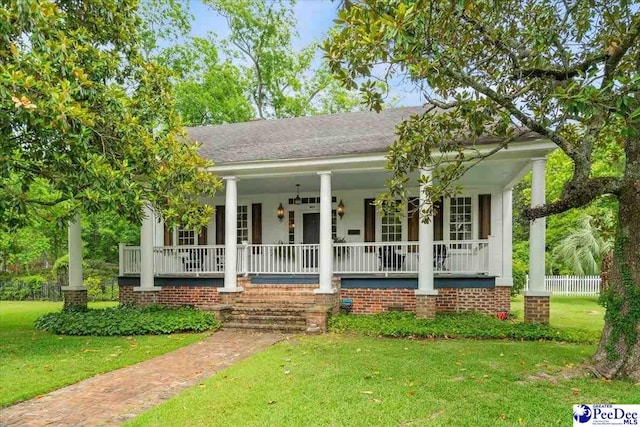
(497, 173)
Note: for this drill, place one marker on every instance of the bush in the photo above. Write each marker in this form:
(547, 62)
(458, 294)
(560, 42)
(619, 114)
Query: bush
(398, 324)
(20, 288)
(127, 320)
(519, 278)
(12, 291)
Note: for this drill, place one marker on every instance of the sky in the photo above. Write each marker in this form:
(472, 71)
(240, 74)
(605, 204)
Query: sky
(315, 18)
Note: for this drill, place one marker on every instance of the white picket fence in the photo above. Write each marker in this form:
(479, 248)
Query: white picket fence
(571, 285)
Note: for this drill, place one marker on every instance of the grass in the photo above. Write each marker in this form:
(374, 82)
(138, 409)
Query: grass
(351, 380)
(34, 362)
(570, 312)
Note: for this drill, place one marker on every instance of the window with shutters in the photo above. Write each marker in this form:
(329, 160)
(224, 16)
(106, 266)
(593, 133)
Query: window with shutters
(391, 228)
(243, 224)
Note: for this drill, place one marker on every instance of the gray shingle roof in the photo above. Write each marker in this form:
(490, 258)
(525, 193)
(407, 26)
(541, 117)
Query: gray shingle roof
(301, 137)
(304, 137)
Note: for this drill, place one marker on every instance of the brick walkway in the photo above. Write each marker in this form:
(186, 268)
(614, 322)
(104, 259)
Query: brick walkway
(117, 396)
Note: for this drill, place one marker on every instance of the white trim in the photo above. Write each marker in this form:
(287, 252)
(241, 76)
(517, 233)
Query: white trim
(147, 289)
(426, 292)
(536, 293)
(357, 162)
(518, 177)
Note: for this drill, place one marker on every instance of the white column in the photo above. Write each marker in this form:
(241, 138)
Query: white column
(425, 242)
(326, 243)
(231, 235)
(537, 232)
(75, 255)
(146, 250)
(506, 278)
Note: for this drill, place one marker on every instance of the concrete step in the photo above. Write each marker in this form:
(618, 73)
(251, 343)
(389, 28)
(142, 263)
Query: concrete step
(263, 328)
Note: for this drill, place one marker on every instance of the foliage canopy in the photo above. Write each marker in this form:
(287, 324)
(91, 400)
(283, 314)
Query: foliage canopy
(85, 115)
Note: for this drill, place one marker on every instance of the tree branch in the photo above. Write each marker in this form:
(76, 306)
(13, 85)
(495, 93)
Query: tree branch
(616, 53)
(575, 195)
(516, 112)
(561, 74)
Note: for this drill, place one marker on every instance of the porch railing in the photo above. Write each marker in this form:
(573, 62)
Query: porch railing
(458, 257)
(283, 258)
(471, 256)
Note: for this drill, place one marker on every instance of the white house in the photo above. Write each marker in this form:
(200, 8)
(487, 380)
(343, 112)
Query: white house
(296, 214)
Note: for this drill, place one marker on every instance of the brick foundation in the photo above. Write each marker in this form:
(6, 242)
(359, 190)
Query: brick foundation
(146, 298)
(536, 309)
(371, 301)
(448, 300)
(365, 300)
(426, 306)
(74, 298)
(174, 296)
(329, 300)
(483, 300)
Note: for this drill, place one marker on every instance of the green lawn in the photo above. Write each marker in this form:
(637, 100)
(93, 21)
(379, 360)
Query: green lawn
(352, 380)
(570, 312)
(34, 362)
(349, 380)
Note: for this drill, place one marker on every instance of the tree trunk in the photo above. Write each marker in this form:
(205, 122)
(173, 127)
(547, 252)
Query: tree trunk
(618, 355)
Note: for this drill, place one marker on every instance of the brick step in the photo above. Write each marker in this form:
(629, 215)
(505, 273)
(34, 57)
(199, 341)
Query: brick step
(263, 328)
(267, 319)
(308, 294)
(266, 309)
(274, 301)
(271, 308)
(279, 293)
(285, 287)
(268, 300)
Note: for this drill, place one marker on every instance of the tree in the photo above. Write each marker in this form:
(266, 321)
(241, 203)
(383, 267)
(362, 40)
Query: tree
(602, 210)
(281, 82)
(207, 91)
(584, 248)
(566, 70)
(83, 111)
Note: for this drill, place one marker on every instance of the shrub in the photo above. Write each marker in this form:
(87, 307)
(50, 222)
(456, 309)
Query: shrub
(12, 291)
(127, 320)
(20, 288)
(519, 277)
(398, 324)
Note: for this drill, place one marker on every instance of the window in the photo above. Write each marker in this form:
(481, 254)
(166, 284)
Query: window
(391, 228)
(186, 237)
(460, 219)
(292, 227)
(243, 224)
(334, 225)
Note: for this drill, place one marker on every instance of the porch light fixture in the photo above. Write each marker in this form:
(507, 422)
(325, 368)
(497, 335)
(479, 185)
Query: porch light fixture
(340, 209)
(297, 200)
(280, 212)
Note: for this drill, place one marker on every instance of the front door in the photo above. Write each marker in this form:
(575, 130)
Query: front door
(311, 235)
